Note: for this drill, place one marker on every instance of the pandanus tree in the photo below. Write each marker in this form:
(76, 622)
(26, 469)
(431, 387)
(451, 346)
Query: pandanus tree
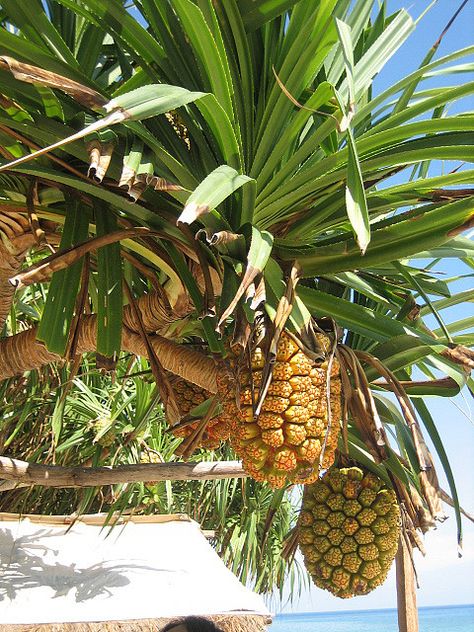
(215, 187)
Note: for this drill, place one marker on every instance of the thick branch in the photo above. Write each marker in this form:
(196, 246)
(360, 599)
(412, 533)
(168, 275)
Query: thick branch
(57, 476)
(23, 352)
(155, 310)
(191, 365)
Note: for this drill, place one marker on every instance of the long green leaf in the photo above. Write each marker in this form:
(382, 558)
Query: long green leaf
(151, 100)
(142, 103)
(358, 318)
(222, 130)
(401, 352)
(345, 37)
(256, 13)
(34, 24)
(356, 202)
(261, 244)
(58, 312)
(205, 48)
(402, 237)
(109, 286)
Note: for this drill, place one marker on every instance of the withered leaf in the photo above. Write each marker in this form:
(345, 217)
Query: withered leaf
(221, 237)
(100, 155)
(32, 74)
(43, 270)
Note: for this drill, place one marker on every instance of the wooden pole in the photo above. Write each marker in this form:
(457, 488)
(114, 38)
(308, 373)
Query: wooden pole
(58, 476)
(406, 589)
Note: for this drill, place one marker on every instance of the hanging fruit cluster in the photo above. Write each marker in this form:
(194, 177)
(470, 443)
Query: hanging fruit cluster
(295, 431)
(349, 529)
(288, 436)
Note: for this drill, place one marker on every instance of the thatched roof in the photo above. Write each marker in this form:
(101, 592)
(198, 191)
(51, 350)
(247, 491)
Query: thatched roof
(79, 576)
(230, 623)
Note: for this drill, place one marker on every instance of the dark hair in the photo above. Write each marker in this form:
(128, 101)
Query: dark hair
(193, 624)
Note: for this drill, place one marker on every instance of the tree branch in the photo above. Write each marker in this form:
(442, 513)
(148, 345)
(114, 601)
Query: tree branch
(22, 352)
(26, 473)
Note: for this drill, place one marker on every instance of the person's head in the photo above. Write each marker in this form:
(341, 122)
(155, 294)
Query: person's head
(191, 624)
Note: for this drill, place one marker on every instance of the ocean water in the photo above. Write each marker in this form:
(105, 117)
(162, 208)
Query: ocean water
(439, 619)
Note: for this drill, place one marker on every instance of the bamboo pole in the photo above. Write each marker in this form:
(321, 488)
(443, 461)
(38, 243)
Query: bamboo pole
(406, 589)
(58, 476)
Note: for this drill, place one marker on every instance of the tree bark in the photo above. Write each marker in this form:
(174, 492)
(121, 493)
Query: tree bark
(15, 241)
(22, 352)
(406, 589)
(56, 476)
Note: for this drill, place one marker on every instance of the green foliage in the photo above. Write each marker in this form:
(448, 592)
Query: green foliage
(238, 71)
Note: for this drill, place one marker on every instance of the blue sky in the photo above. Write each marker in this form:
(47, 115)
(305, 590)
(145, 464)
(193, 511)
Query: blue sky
(444, 578)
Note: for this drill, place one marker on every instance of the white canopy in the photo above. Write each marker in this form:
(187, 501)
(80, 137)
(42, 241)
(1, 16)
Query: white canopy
(148, 567)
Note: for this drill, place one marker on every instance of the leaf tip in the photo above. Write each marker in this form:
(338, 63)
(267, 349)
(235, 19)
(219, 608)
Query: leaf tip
(191, 212)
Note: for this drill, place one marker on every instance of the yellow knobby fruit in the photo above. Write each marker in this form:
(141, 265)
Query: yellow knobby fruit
(150, 457)
(107, 439)
(188, 396)
(285, 441)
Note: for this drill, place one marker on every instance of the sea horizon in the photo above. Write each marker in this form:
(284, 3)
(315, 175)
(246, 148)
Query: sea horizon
(303, 612)
(439, 618)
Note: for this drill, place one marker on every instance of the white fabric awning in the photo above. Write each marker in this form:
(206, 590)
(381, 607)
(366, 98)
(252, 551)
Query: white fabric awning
(146, 568)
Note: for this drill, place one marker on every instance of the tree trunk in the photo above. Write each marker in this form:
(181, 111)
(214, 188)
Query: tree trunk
(57, 476)
(406, 589)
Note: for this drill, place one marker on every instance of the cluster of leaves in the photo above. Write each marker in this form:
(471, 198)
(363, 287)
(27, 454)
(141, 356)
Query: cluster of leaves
(286, 182)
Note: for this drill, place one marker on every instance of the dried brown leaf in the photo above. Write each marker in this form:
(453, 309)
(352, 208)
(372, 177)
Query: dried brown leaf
(341, 125)
(192, 212)
(162, 382)
(461, 355)
(43, 270)
(431, 489)
(127, 177)
(160, 184)
(32, 201)
(219, 238)
(100, 155)
(114, 117)
(32, 74)
(361, 404)
(250, 274)
(283, 312)
(405, 404)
